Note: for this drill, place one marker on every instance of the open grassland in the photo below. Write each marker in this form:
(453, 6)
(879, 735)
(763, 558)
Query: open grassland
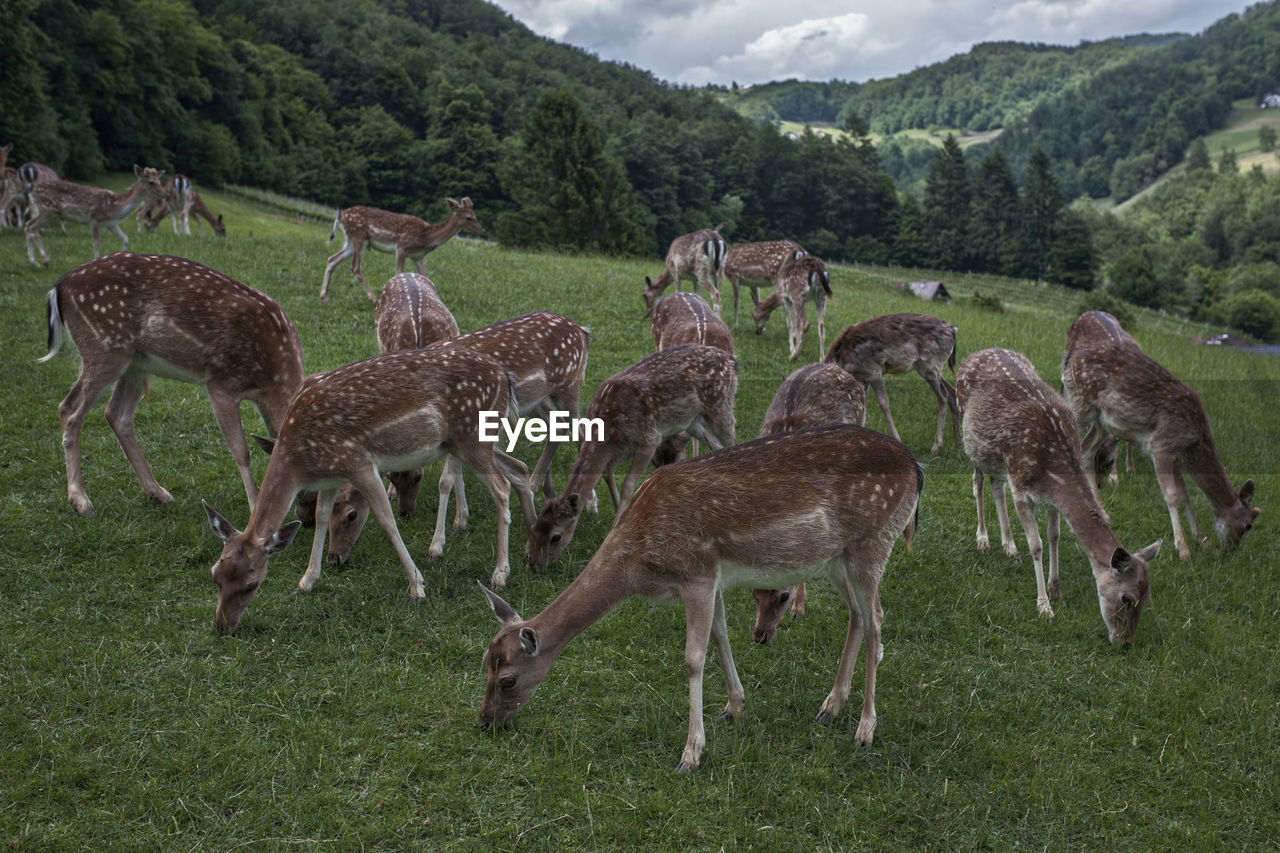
(345, 718)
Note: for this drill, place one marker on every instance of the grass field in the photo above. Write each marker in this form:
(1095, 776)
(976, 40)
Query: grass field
(344, 719)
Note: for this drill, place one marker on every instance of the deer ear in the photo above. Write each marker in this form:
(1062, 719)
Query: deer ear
(505, 612)
(282, 538)
(137, 170)
(222, 528)
(454, 203)
(530, 642)
(1121, 560)
(1147, 554)
(1246, 492)
(267, 444)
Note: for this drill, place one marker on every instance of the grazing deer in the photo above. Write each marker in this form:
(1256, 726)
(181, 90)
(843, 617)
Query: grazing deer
(134, 315)
(699, 256)
(1017, 430)
(390, 412)
(815, 395)
(802, 280)
(772, 511)
(690, 387)
(753, 264)
(399, 233)
(197, 206)
(546, 354)
(177, 203)
(1116, 388)
(685, 318)
(897, 343)
(10, 193)
(79, 203)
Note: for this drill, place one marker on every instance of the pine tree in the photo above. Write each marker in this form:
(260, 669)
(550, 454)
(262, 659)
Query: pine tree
(571, 194)
(1041, 204)
(994, 225)
(1198, 156)
(946, 207)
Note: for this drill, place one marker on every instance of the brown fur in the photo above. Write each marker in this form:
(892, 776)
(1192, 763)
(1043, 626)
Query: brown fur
(91, 205)
(751, 265)
(802, 280)
(699, 256)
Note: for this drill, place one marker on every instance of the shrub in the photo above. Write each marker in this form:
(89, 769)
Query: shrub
(1098, 300)
(987, 301)
(1255, 312)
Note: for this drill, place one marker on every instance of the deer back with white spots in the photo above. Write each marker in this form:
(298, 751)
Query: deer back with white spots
(78, 203)
(403, 235)
(1018, 430)
(898, 343)
(1115, 388)
(392, 412)
(804, 279)
(753, 265)
(699, 256)
(690, 388)
(134, 315)
(770, 512)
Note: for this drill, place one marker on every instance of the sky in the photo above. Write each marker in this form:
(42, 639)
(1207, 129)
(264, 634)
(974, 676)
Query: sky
(697, 42)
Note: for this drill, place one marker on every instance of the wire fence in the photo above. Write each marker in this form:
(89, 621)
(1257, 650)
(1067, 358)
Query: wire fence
(301, 207)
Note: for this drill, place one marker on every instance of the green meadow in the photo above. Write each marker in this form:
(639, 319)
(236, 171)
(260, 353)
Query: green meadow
(345, 718)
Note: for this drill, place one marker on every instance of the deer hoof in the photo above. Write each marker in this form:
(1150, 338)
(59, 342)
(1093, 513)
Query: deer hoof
(417, 599)
(684, 768)
(297, 590)
(823, 718)
(725, 716)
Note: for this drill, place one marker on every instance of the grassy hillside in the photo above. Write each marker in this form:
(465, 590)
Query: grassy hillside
(345, 717)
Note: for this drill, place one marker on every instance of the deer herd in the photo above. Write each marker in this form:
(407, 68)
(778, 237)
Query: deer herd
(815, 494)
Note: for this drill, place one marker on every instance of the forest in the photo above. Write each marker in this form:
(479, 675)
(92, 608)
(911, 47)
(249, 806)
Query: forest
(401, 103)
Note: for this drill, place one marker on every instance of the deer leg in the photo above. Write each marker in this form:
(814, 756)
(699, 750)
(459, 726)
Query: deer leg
(452, 472)
(839, 574)
(882, 397)
(868, 598)
(1007, 541)
(115, 229)
(120, 410)
(501, 491)
(33, 238)
(641, 461)
(1027, 515)
(94, 379)
(370, 484)
(699, 615)
(1053, 532)
(737, 701)
(1089, 445)
(517, 475)
(734, 282)
(797, 322)
(542, 470)
(613, 489)
(820, 307)
(325, 499)
(936, 382)
(226, 411)
(983, 541)
(1167, 478)
(1185, 499)
(338, 257)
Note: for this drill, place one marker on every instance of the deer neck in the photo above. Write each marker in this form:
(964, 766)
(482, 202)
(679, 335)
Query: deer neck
(1206, 471)
(438, 235)
(1076, 501)
(123, 205)
(279, 488)
(593, 459)
(598, 589)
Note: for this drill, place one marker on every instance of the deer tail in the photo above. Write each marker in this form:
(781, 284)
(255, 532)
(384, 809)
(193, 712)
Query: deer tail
(513, 402)
(54, 317)
(333, 232)
(909, 532)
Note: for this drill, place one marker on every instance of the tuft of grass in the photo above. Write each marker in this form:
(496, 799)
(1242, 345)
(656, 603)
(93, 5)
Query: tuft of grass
(345, 717)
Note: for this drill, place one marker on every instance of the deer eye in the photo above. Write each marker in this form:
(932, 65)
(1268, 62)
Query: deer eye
(507, 682)
(784, 598)
(555, 537)
(250, 588)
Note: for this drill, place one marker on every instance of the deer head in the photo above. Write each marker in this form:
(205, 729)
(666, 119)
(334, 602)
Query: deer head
(1124, 588)
(514, 666)
(241, 567)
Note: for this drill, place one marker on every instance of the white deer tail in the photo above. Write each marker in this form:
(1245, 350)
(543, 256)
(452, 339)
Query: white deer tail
(333, 232)
(55, 324)
(513, 402)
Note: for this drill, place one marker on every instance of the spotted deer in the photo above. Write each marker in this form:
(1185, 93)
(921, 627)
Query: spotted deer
(1017, 430)
(1115, 388)
(897, 343)
(1095, 327)
(177, 203)
(769, 512)
(132, 316)
(689, 388)
(804, 279)
(409, 315)
(815, 395)
(10, 194)
(751, 265)
(79, 203)
(390, 412)
(685, 318)
(405, 236)
(699, 256)
(546, 354)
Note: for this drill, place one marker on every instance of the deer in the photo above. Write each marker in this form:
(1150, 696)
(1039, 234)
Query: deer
(399, 233)
(198, 207)
(390, 412)
(409, 315)
(752, 264)
(803, 279)
(132, 316)
(178, 203)
(10, 192)
(1017, 430)
(547, 356)
(690, 388)
(699, 256)
(1096, 326)
(79, 203)
(815, 395)
(768, 512)
(897, 343)
(685, 318)
(1115, 388)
